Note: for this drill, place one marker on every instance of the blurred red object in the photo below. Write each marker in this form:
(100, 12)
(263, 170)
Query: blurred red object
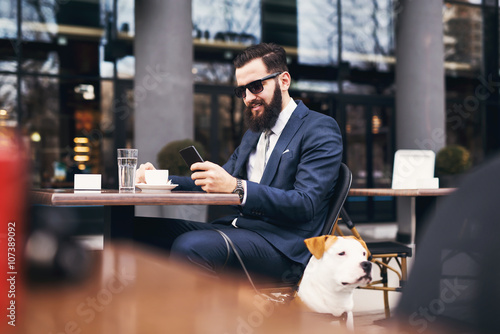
(13, 206)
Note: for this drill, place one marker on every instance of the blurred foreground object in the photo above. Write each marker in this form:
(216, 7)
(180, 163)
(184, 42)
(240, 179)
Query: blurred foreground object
(134, 290)
(52, 253)
(13, 190)
(453, 286)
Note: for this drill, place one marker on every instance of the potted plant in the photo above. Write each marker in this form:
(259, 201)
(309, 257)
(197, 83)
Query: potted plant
(169, 158)
(451, 162)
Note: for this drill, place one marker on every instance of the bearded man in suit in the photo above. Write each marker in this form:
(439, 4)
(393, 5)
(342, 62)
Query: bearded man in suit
(284, 170)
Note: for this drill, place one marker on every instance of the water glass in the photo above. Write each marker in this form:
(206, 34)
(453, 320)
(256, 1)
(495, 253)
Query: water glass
(127, 164)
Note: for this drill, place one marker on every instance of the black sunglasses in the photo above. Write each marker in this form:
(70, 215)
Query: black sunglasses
(255, 87)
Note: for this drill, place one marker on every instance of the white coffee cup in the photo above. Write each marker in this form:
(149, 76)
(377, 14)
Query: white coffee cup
(157, 176)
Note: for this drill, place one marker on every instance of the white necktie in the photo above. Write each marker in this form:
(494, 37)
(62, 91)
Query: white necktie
(260, 161)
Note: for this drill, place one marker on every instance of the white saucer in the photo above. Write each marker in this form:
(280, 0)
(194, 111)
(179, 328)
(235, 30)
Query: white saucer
(155, 187)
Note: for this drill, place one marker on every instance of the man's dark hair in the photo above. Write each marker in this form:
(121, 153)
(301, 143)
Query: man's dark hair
(273, 56)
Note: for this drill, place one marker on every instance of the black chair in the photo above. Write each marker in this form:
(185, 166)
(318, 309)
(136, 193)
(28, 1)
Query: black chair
(286, 289)
(338, 199)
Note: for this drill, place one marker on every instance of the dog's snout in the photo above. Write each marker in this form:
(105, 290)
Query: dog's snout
(366, 266)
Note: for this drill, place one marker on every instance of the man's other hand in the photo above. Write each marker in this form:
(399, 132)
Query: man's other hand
(212, 178)
(140, 174)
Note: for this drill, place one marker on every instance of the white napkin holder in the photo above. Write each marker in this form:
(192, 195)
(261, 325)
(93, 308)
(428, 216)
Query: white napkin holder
(88, 181)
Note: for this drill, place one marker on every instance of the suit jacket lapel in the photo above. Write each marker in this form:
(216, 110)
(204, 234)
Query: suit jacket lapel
(293, 125)
(246, 147)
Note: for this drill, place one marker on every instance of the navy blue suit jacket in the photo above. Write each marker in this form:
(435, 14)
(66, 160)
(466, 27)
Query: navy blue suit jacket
(290, 203)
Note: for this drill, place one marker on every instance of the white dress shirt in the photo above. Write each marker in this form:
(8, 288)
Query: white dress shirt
(273, 139)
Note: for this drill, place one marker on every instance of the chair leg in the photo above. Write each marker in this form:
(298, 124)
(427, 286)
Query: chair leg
(385, 278)
(386, 304)
(404, 269)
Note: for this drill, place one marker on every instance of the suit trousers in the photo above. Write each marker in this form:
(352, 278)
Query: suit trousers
(200, 244)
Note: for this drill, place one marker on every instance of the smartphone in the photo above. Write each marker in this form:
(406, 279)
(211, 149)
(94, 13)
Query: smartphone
(190, 155)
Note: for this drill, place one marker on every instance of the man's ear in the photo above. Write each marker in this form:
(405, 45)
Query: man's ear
(285, 81)
(316, 245)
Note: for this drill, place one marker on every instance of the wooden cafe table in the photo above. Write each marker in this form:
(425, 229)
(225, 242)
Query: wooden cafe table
(119, 206)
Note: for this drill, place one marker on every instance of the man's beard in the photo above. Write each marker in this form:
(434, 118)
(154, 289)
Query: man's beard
(269, 116)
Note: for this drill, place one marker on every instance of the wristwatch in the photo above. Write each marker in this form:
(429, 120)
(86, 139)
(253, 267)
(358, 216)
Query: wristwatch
(239, 189)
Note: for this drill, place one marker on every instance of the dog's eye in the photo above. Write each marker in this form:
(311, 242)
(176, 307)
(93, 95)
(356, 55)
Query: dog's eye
(342, 253)
(364, 253)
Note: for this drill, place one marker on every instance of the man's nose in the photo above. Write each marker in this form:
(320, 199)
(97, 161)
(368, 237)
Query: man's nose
(249, 96)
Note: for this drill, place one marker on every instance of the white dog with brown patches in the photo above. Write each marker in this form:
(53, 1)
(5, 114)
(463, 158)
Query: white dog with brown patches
(337, 267)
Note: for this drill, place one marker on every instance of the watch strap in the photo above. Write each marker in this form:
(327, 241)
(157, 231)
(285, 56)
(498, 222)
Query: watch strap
(239, 189)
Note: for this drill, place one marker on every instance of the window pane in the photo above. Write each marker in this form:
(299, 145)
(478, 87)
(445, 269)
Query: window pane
(223, 140)
(126, 31)
(213, 73)
(382, 146)
(39, 20)
(105, 67)
(463, 35)
(231, 125)
(80, 57)
(314, 86)
(464, 119)
(107, 126)
(356, 143)
(380, 88)
(8, 92)
(81, 119)
(227, 21)
(41, 62)
(125, 17)
(61, 36)
(126, 67)
(368, 34)
(202, 112)
(317, 31)
(379, 150)
(40, 103)
(8, 19)
(59, 22)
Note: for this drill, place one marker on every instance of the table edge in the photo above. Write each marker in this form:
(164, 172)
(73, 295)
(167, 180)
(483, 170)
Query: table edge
(400, 192)
(53, 198)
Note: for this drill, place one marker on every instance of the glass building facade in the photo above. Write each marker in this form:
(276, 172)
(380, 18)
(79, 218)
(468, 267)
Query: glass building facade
(67, 71)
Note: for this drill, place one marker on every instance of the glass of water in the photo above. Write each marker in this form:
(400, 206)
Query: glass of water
(127, 164)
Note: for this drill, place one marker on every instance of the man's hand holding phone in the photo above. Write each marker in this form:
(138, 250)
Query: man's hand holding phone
(212, 178)
(209, 176)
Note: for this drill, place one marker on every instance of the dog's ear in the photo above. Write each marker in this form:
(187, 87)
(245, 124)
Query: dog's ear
(316, 245)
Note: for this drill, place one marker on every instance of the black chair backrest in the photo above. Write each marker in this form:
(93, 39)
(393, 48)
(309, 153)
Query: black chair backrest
(338, 199)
